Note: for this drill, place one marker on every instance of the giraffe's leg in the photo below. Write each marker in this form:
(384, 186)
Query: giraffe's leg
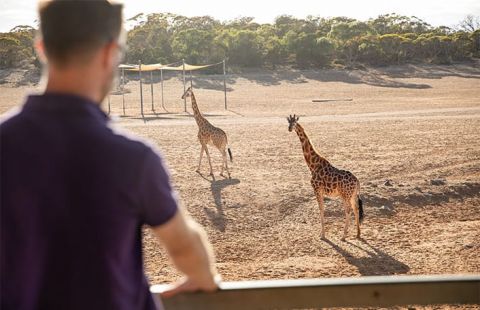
(209, 161)
(319, 196)
(225, 163)
(355, 207)
(347, 219)
(200, 161)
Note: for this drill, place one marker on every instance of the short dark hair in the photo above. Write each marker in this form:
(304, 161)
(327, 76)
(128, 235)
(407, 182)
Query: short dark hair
(77, 27)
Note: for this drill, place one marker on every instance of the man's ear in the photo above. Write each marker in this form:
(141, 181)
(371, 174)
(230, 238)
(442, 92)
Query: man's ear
(40, 49)
(109, 55)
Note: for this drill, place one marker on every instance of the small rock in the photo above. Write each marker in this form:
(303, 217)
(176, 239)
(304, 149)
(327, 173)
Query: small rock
(388, 183)
(386, 209)
(437, 182)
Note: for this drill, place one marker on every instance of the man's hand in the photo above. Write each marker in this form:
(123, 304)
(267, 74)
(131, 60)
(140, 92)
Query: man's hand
(188, 285)
(188, 247)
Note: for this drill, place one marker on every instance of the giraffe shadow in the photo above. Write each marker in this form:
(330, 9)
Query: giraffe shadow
(375, 263)
(217, 217)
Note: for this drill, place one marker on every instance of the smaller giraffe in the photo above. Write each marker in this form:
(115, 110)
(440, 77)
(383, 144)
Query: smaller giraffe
(328, 181)
(209, 134)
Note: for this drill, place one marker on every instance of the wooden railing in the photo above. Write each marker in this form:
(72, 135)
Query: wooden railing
(379, 291)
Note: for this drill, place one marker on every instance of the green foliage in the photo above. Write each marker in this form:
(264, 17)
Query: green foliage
(194, 45)
(16, 47)
(393, 23)
(313, 41)
(242, 47)
(150, 41)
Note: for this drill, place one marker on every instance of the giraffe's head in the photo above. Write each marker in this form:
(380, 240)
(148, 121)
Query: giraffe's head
(292, 122)
(187, 93)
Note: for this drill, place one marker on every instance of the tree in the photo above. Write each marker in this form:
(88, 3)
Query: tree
(242, 47)
(390, 45)
(284, 23)
(312, 41)
(16, 47)
(469, 24)
(347, 37)
(274, 48)
(150, 41)
(399, 24)
(475, 38)
(369, 51)
(195, 46)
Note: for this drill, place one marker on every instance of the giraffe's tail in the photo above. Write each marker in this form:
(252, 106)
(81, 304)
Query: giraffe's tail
(360, 209)
(230, 154)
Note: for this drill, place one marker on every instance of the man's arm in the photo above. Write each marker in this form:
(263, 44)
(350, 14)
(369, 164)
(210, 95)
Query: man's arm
(188, 247)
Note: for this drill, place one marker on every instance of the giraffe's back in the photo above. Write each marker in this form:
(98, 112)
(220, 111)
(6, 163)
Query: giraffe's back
(334, 182)
(213, 135)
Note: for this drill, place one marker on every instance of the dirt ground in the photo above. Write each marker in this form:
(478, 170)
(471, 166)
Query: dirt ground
(410, 134)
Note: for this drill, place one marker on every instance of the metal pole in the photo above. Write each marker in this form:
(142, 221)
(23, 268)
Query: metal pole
(184, 87)
(191, 80)
(123, 90)
(225, 83)
(141, 91)
(151, 89)
(161, 82)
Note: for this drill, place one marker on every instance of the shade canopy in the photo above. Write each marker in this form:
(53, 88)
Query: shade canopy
(154, 67)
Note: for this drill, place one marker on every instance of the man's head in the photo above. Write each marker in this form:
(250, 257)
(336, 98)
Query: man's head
(82, 35)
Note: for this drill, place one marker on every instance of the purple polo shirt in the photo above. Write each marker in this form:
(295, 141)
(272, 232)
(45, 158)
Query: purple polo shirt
(74, 197)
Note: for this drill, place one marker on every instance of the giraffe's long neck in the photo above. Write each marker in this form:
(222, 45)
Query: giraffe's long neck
(196, 112)
(311, 156)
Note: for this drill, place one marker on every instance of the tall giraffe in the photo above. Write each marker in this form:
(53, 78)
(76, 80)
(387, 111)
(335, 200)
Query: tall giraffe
(209, 134)
(328, 181)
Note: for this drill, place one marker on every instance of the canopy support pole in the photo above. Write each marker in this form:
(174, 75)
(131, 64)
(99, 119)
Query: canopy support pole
(184, 87)
(161, 83)
(191, 79)
(141, 91)
(225, 83)
(151, 89)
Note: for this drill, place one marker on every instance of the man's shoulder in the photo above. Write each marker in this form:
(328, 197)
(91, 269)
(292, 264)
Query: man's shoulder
(10, 118)
(129, 143)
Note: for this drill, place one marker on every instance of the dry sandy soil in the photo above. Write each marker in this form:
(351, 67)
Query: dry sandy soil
(410, 134)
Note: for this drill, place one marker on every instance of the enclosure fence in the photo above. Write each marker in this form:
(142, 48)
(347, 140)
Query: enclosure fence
(144, 70)
(375, 291)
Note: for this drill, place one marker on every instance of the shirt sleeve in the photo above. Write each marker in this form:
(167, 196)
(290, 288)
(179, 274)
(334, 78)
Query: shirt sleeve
(159, 202)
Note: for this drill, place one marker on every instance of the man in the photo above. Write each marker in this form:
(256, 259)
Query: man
(75, 194)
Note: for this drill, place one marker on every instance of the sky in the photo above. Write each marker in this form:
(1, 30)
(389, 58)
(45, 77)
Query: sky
(435, 12)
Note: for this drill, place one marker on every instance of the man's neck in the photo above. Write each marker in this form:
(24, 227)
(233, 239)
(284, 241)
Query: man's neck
(74, 81)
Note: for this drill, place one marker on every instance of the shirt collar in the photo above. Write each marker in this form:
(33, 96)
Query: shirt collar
(65, 104)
